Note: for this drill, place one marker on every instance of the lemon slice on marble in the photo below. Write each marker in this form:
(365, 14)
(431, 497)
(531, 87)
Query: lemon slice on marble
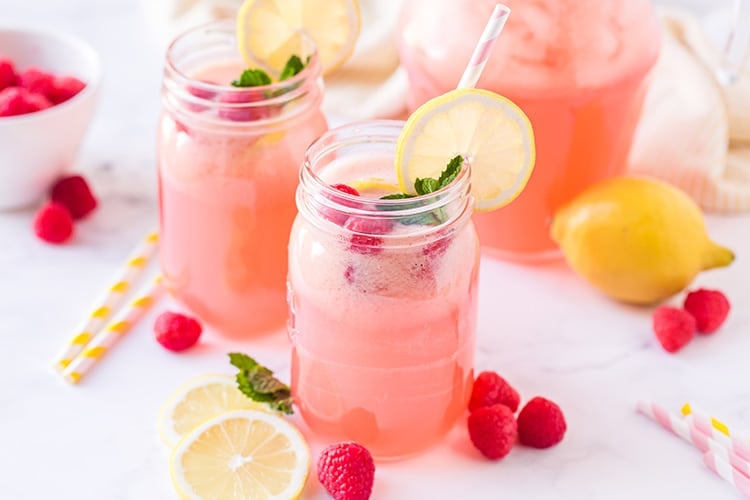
(241, 454)
(270, 31)
(487, 129)
(198, 400)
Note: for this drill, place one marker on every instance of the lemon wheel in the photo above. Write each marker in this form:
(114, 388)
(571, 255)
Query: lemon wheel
(246, 454)
(198, 400)
(269, 31)
(488, 130)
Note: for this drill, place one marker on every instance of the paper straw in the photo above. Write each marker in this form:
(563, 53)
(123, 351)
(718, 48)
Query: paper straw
(120, 325)
(675, 424)
(730, 474)
(717, 429)
(482, 51)
(689, 432)
(108, 304)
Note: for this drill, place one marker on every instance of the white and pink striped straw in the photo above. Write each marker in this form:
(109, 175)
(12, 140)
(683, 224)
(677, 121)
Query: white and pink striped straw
(716, 429)
(689, 431)
(728, 473)
(482, 51)
(674, 423)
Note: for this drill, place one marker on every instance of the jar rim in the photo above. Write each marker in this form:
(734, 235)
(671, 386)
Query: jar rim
(234, 110)
(364, 132)
(311, 69)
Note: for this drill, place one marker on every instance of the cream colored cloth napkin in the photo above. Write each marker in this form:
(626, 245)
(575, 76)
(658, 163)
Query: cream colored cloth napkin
(370, 85)
(694, 132)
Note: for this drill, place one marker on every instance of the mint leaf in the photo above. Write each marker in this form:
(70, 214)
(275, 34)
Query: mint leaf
(426, 186)
(292, 67)
(252, 78)
(258, 383)
(426, 219)
(397, 196)
(451, 171)
(242, 361)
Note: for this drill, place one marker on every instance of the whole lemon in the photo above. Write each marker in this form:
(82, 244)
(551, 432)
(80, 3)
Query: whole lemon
(637, 239)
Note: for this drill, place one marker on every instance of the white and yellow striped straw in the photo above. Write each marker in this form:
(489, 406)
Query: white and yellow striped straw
(121, 324)
(103, 310)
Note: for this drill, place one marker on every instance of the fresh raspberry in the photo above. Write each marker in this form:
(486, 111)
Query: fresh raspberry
(709, 308)
(364, 240)
(200, 93)
(349, 274)
(75, 193)
(19, 101)
(7, 73)
(346, 471)
(336, 216)
(177, 332)
(344, 188)
(437, 248)
(64, 88)
(673, 327)
(490, 389)
(243, 113)
(36, 80)
(37, 102)
(541, 423)
(53, 223)
(493, 430)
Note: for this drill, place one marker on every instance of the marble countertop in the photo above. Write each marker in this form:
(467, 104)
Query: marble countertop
(542, 327)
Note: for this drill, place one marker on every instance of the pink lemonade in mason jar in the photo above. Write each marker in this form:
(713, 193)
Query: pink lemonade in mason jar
(577, 68)
(228, 167)
(382, 297)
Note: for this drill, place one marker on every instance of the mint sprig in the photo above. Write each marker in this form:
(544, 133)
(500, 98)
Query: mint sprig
(258, 383)
(252, 78)
(256, 77)
(292, 67)
(428, 185)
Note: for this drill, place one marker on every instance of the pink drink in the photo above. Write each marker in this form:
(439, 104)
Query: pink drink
(575, 67)
(228, 169)
(382, 325)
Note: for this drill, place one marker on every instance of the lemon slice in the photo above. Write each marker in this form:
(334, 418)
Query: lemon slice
(241, 454)
(488, 130)
(374, 185)
(199, 400)
(269, 31)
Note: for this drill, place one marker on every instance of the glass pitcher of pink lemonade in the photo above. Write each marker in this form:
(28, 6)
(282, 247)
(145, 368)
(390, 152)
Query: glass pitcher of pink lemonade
(382, 297)
(228, 167)
(577, 68)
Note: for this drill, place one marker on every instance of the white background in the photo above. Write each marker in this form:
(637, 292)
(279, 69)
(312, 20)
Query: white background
(548, 332)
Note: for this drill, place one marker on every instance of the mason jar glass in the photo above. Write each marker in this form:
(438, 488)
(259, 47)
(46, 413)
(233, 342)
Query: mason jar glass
(382, 297)
(228, 163)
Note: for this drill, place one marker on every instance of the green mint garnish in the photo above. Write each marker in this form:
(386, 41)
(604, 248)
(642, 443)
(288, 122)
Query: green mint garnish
(429, 185)
(252, 78)
(292, 67)
(258, 383)
(451, 171)
(396, 196)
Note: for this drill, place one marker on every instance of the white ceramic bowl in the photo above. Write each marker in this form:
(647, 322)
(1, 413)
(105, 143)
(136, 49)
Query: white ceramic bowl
(37, 148)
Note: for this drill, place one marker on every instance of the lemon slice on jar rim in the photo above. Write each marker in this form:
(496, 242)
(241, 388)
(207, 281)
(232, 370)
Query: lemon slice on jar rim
(269, 31)
(241, 454)
(486, 129)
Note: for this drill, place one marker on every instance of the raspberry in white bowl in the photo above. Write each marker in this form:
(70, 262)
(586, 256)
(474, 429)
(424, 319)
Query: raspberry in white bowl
(48, 87)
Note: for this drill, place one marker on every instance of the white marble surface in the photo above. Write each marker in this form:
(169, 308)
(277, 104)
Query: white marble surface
(543, 328)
